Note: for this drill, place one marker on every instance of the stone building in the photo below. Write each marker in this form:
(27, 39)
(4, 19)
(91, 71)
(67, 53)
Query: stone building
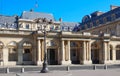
(93, 41)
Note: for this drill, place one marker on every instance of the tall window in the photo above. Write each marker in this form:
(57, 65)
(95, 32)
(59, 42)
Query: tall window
(1, 51)
(27, 26)
(27, 51)
(113, 17)
(12, 51)
(12, 54)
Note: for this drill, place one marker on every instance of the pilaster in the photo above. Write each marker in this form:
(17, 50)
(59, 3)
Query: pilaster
(5, 56)
(39, 53)
(20, 55)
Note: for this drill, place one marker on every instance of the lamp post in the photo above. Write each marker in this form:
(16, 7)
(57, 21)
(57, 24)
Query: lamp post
(44, 24)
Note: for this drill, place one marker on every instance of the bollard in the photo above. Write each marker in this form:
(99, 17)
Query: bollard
(68, 68)
(94, 67)
(17, 75)
(22, 70)
(105, 67)
(7, 70)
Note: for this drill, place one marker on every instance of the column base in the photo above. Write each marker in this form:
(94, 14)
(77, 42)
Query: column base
(86, 62)
(65, 62)
(39, 63)
(106, 62)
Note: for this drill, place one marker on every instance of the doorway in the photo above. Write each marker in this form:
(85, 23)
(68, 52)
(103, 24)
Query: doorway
(51, 57)
(74, 56)
(95, 56)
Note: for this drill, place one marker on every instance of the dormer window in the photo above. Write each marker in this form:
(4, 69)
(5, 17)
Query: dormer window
(91, 24)
(104, 20)
(97, 22)
(27, 26)
(113, 17)
(86, 26)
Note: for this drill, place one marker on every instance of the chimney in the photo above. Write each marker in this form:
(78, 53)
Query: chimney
(112, 7)
(96, 13)
(60, 19)
(31, 10)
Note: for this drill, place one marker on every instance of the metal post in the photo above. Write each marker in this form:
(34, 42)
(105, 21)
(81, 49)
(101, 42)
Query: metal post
(94, 67)
(7, 70)
(45, 69)
(22, 70)
(105, 67)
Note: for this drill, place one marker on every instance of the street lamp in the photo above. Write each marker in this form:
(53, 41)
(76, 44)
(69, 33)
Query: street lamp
(44, 23)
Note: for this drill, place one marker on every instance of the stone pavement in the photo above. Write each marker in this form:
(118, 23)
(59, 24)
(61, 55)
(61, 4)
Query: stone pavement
(113, 72)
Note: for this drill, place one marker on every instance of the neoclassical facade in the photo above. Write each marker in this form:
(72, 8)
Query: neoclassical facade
(96, 40)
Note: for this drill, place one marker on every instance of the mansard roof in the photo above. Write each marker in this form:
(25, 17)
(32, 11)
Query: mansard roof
(34, 15)
(65, 26)
(98, 18)
(70, 24)
(8, 21)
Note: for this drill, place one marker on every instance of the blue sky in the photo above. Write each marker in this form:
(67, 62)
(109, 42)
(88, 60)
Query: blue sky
(68, 10)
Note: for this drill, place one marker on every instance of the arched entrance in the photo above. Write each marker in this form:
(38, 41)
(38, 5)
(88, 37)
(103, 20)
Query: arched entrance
(111, 52)
(52, 53)
(118, 52)
(95, 53)
(52, 58)
(1, 51)
(27, 53)
(12, 51)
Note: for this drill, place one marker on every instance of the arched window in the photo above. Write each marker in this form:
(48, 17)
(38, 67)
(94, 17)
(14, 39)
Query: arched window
(91, 24)
(1, 51)
(12, 51)
(113, 17)
(27, 51)
(97, 22)
(118, 52)
(104, 20)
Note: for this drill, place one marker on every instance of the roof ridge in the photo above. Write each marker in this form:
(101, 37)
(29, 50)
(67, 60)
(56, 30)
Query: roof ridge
(39, 12)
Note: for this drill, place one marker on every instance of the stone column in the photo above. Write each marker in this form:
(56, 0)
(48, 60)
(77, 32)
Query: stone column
(89, 51)
(108, 52)
(59, 55)
(39, 53)
(105, 49)
(63, 52)
(69, 61)
(20, 55)
(83, 53)
(114, 54)
(86, 59)
(5, 56)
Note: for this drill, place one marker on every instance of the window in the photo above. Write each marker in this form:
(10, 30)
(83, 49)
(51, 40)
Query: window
(113, 17)
(104, 20)
(27, 26)
(27, 51)
(97, 22)
(91, 24)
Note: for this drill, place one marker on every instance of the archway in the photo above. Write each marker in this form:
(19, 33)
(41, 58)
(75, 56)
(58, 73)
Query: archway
(1, 51)
(52, 52)
(12, 51)
(111, 52)
(27, 51)
(118, 52)
(95, 53)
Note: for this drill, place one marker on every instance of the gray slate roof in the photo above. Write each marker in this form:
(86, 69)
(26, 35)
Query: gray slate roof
(70, 24)
(34, 15)
(8, 21)
(65, 26)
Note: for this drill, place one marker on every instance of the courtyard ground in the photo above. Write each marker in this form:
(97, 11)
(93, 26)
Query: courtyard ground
(111, 72)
